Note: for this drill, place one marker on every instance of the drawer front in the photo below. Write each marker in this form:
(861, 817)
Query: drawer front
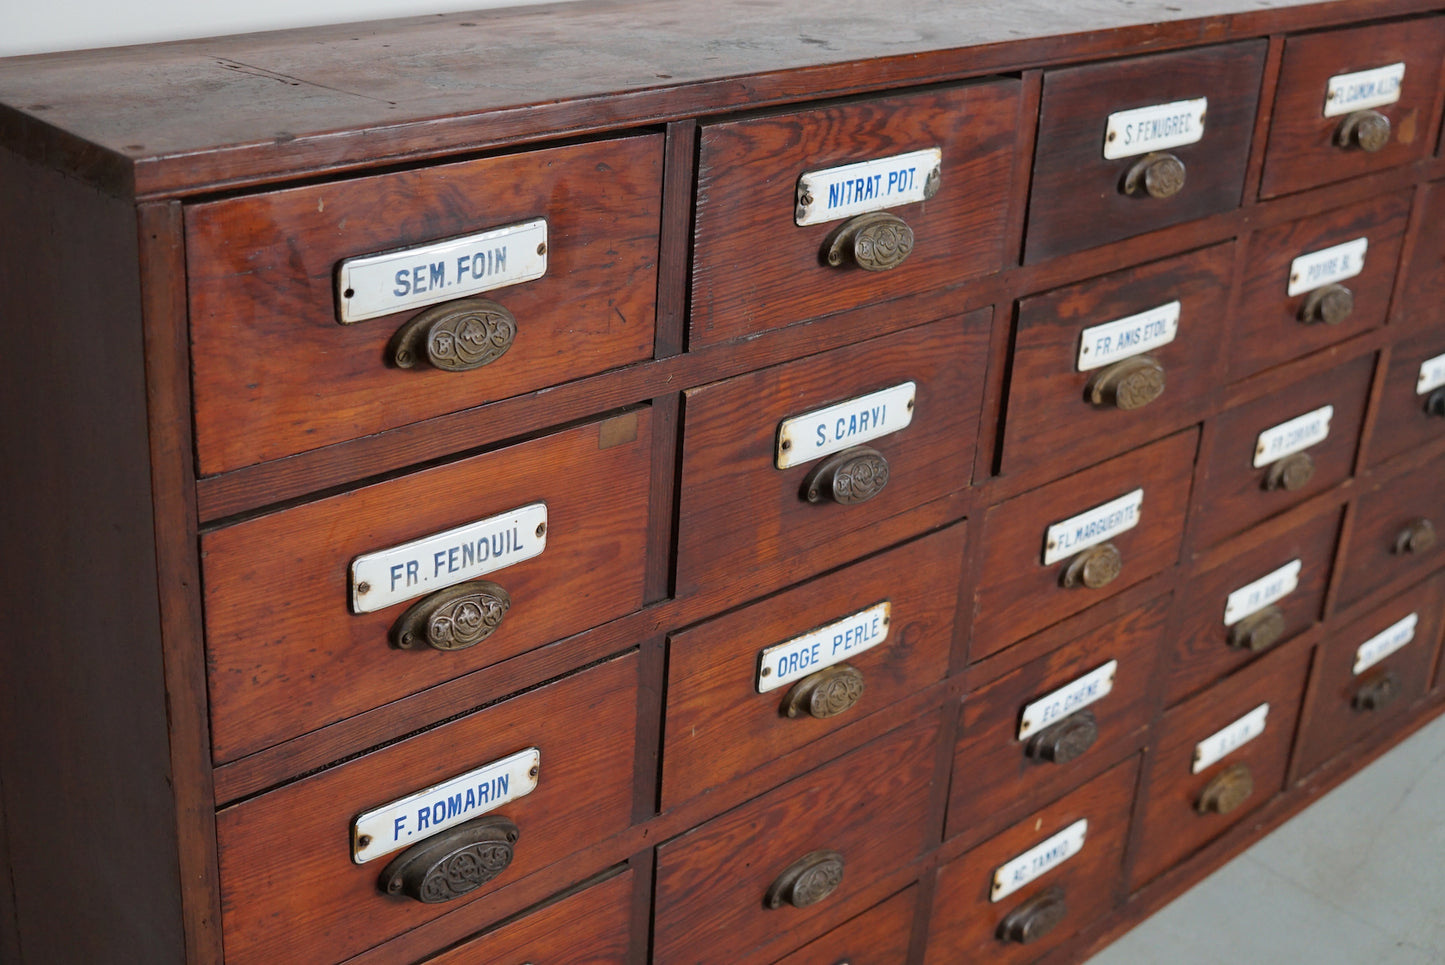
(879, 936)
(1020, 593)
(1082, 198)
(1316, 138)
(1262, 595)
(750, 177)
(1184, 808)
(1106, 365)
(747, 526)
(1279, 319)
(1422, 294)
(713, 883)
(275, 374)
(286, 654)
(291, 849)
(1395, 534)
(968, 926)
(1411, 411)
(864, 659)
(1234, 494)
(1030, 736)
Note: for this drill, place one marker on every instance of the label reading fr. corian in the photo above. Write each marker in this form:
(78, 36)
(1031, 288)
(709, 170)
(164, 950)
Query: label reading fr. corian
(1090, 688)
(1154, 128)
(1345, 93)
(837, 193)
(1327, 266)
(1038, 860)
(780, 665)
(1384, 643)
(441, 806)
(1092, 527)
(1105, 344)
(1432, 375)
(1270, 588)
(1293, 436)
(376, 285)
(826, 431)
(1218, 746)
(434, 562)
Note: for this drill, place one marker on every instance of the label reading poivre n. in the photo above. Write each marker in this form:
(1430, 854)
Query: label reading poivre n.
(1432, 375)
(1363, 89)
(1384, 643)
(376, 285)
(1220, 745)
(1039, 860)
(417, 816)
(435, 562)
(1123, 338)
(1092, 527)
(1070, 698)
(826, 431)
(1154, 128)
(833, 194)
(1327, 266)
(1270, 588)
(1293, 436)
(840, 640)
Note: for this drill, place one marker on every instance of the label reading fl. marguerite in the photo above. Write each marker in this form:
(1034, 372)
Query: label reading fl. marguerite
(1092, 527)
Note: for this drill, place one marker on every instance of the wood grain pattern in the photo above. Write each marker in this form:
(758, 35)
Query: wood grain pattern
(1421, 300)
(1401, 421)
(1387, 509)
(879, 936)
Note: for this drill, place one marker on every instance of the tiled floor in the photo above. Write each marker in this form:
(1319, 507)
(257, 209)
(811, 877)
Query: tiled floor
(1357, 879)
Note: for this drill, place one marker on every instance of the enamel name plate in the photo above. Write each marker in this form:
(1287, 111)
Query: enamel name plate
(1090, 688)
(1293, 436)
(797, 658)
(441, 806)
(826, 431)
(1090, 528)
(1327, 266)
(1432, 375)
(435, 562)
(1346, 93)
(1384, 643)
(1105, 344)
(837, 193)
(376, 285)
(1218, 746)
(1270, 588)
(1038, 860)
(1154, 128)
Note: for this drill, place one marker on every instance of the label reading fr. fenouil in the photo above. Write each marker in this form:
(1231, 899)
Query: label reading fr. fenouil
(1123, 338)
(1293, 436)
(1218, 746)
(1092, 527)
(833, 194)
(435, 562)
(1363, 89)
(1154, 128)
(376, 285)
(1384, 643)
(1070, 698)
(1270, 588)
(1038, 860)
(826, 431)
(1327, 266)
(1432, 375)
(840, 640)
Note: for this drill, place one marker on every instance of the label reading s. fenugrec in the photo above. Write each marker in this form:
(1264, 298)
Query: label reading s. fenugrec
(1124, 338)
(1363, 89)
(1070, 698)
(1225, 742)
(1293, 436)
(1384, 643)
(837, 427)
(1327, 266)
(833, 194)
(1154, 128)
(1092, 527)
(794, 659)
(1038, 860)
(1270, 588)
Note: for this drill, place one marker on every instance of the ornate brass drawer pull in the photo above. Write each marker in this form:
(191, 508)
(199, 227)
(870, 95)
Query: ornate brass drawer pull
(1258, 631)
(456, 337)
(1094, 568)
(852, 476)
(1378, 693)
(1130, 384)
(1065, 740)
(1292, 473)
(876, 242)
(1418, 537)
(456, 618)
(1330, 304)
(807, 881)
(454, 862)
(1227, 790)
(1034, 918)
(1158, 175)
(1366, 130)
(827, 693)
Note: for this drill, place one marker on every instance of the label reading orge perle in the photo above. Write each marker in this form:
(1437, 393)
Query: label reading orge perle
(435, 562)
(1346, 93)
(826, 431)
(833, 194)
(376, 285)
(1075, 696)
(383, 830)
(780, 665)
(1327, 266)
(1432, 375)
(1154, 128)
(1092, 527)
(1038, 860)
(1218, 746)
(1293, 436)
(1270, 588)
(1105, 344)
(1384, 643)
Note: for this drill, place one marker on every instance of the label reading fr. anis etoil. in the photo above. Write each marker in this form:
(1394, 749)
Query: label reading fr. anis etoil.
(1219, 745)
(1092, 527)
(1154, 128)
(1038, 860)
(837, 427)
(1124, 338)
(833, 194)
(817, 649)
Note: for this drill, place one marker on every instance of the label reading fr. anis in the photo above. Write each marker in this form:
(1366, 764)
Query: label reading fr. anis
(1384, 643)
(1432, 375)
(1327, 266)
(826, 431)
(1090, 528)
(1038, 860)
(1218, 746)
(1123, 338)
(840, 640)
(1347, 93)
(833, 194)
(1154, 128)
(1293, 436)
(1270, 588)
(1070, 698)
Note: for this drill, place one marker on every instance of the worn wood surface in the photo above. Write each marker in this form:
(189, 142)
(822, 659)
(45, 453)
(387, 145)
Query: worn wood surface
(1392, 504)
(1401, 421)
(1421, 300)
(879, 935)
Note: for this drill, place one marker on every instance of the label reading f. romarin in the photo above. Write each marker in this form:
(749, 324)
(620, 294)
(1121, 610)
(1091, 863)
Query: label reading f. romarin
(826, 431)
(1092, 527)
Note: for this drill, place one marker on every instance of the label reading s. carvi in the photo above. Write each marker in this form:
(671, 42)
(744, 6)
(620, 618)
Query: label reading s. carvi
(826, 431)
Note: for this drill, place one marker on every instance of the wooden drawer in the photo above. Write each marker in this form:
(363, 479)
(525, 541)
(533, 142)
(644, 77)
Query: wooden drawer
(1088, 715)
(274, 374)
(1078, 395)
(1185, 806)
(865, 659)
(746, 526)
(1308, 143)
(1283, 316)
(288, 653)
(879, 936)
(1019, 592)
(756, 268)
(1395, 532)
(1422, 294)
(1411, 412)
(1368, 674)
(713, 883)
(1079, 197)
(1065, 887)
(1261, 595)
(1233, 493)
(291, 848)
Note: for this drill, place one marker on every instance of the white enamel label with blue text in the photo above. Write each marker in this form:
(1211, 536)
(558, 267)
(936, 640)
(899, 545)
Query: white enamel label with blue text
(1068, 699)
(1090, 528)
(1384, 643)
(838, 641)
(1154, 128)
(1432, 375)
(1363, 89)
(1218, 746)
(1327, 266)
(1296, 435)
(1039, 860)
(1270, 588)
(826, 431)
(1106, 344)
(842, 192)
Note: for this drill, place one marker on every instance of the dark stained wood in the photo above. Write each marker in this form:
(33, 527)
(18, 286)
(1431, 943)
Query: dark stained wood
(1272, 58)
(1421, 301)
(674, 243)
(662, 496)
(1382, 513)
(1401, 421)
(879, 936)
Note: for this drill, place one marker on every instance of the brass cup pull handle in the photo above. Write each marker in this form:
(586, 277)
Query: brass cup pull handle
(1130, 384)
(1435, 403)
(807, 881)
(453, 863)
(1094, 568)
(1377, 694)
(1034, 918)
(852, 476)
(1064, 740)
(1259, 631)
(1226, 791)
(1418, 537)
(456, 618)
(1330, 304)
(824, 694)
(1158, 175)
(1292, 473)
(876, 242)
(457, 336)
(1366, 130)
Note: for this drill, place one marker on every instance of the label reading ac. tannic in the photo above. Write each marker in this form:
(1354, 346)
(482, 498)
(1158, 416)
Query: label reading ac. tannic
(1039, 860)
